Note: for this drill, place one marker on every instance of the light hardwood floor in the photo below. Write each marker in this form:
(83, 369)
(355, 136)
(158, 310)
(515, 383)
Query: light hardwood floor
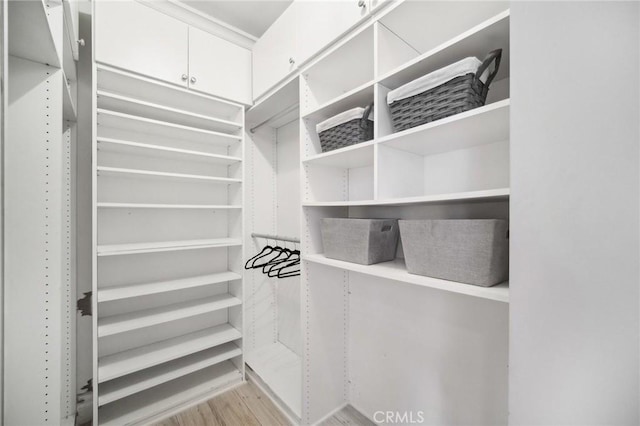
(247, 405)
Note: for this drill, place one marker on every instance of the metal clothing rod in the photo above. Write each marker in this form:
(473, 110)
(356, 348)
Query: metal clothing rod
(276, 237)
(273, 117)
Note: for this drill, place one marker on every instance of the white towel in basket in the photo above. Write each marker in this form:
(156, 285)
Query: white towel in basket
(436, 78)
(341, 118)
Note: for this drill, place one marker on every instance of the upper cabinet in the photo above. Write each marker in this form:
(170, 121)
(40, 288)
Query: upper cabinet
(135, 37)
(320, 23)
(304, 29)
(274, 54)
(219, 67)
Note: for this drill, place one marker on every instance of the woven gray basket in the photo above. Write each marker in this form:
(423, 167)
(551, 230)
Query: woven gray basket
(453, 97)
(349, 133)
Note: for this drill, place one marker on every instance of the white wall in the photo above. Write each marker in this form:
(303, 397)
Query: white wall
(574, 213)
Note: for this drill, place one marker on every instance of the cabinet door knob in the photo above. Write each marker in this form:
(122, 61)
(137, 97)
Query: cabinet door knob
(362, 3)
(193, 79)
(184, 77)
(291, 61)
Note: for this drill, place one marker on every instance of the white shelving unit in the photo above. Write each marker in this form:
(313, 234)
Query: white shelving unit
(168, 249)
(397, 271)
(39, 214)
(453, 168)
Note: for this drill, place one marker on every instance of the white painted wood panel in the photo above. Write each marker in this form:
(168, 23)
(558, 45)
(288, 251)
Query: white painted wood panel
(137, 38)
(219, 67)
(34, 228)
(274, 54)
(322, 22)
(423, 351)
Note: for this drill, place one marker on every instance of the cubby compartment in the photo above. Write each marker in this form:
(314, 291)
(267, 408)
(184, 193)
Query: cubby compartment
(345, 71)
(337, 185)
(405, 174)
(417, 36)
(491, 31)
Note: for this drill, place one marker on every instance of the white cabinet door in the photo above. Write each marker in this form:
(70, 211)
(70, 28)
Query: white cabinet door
(218, 67)
(134, 37)
(274, 54)
(322, 22)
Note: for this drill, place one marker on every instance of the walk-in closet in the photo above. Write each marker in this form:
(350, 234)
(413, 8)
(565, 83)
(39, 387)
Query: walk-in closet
(319, 212)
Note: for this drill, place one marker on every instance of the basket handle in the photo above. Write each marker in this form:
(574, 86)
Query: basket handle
(495, 55)
(365, 116)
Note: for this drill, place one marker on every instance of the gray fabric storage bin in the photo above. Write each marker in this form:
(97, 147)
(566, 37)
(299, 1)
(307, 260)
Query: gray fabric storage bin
(467, 251)
(364, 241)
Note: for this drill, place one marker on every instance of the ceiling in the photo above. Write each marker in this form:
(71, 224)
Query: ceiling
(251, 16)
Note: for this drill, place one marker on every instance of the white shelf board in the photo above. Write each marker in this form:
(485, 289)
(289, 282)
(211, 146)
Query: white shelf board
(68, 107)
(500, 194)
(102, 171)
(31, 36)
(129, 146)
(107, 118)
(265, 110)
(397, 271)
(108, 326)
(128, 105)
(359, 97)
(167, 206)
(139, 248)
(281, 369)
(479, 126)
(122, 387)
(133, 360)
(111, 293)
(478, 41)
(170, 396)
(358, 155)
(120, 81)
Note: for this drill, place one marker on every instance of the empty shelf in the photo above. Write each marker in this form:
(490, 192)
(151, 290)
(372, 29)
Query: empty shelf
(500, 194)
(102, 171)
(115, 324)
(137, 124)
(122, 249)
(107, 294)
(166, 206)
(128, 105)
(353, 156)
(397, 271)
(155, 403)
(130, 361)
(150, 377)
(135, 147)
(31, 34)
